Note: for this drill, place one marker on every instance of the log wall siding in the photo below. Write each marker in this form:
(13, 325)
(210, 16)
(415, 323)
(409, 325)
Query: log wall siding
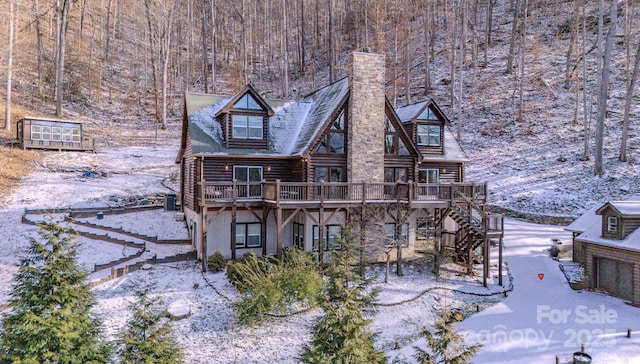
(326, 160)
(188, 177)
(221, 169)
(449, 172)
(245, 143)
(625, 255)
(629, 225)
(412, 130)
(401, 161)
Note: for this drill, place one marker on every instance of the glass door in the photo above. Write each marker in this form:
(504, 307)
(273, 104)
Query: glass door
(248, 180)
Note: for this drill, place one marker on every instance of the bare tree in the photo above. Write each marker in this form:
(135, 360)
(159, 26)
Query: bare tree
(160, 18)
(603, 91)
(627, 108)
(514, 37)
(7, 114)
(63, 20)
(522, 58)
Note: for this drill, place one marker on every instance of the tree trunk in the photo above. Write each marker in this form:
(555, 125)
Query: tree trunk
(523, 53)
(205, 58)
(427, 59)
(62, 31)
(514, 37)
(214, 74)
(627, 108)
(603, 92)
(586, 114)
(7, 114)
(36, 12)
(285, 52)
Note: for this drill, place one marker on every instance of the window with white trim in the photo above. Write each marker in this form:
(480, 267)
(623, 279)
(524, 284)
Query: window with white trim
(429, 135)
(248, 235)
(612, 224)
(247, 127)
(332, 235)
(428, 176)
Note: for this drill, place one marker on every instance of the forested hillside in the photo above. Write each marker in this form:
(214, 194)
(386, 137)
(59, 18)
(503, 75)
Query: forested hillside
(521, 80)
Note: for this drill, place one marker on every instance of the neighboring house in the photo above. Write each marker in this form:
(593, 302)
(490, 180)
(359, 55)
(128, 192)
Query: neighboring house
(54, 134)
(259, 175)
(606, 241)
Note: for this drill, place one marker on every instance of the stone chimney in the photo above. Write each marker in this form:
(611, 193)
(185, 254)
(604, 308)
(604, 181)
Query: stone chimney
(366, 118)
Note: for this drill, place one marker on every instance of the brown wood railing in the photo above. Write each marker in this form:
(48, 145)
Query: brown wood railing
(291, 192)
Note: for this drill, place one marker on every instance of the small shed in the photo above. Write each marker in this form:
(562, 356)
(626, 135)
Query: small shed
(56, 134)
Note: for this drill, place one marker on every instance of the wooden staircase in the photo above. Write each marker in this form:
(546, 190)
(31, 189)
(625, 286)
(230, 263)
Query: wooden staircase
(477, 228)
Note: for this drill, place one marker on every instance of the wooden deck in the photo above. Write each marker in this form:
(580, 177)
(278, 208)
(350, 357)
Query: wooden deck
(294, 194)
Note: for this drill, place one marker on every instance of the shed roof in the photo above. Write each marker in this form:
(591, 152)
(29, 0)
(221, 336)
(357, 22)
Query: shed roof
(625, 208)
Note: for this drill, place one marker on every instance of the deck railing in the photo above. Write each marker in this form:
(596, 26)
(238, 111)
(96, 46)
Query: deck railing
(292, 192)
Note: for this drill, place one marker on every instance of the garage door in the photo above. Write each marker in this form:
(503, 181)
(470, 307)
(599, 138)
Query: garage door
(615, 277)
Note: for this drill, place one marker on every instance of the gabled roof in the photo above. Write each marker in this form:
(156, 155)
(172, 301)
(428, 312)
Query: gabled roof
(591, 220)
(246, 89)
(293, 125)
(410, 113)
(623, 208)
(593, 234)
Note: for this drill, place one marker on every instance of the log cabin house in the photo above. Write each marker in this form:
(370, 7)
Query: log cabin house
(53, 134)
(606, 241)
(259, 175)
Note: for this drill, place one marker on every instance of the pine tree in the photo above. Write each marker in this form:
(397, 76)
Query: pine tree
(49, 319)
(445, 345)
(340, 335)
(148, 336)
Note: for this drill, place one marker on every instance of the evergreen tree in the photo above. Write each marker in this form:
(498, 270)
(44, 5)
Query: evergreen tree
(340, 335)
(148, 338)
(445, 345)
(49, 320)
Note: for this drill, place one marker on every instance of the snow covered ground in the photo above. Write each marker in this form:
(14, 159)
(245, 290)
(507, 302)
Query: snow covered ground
(211, 333)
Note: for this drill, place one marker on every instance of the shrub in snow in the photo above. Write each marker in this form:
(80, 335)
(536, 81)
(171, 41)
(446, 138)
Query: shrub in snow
(216, 263)
(444, 344)
(341, 334)
(267, 284)
(49, 311)
(148, 336)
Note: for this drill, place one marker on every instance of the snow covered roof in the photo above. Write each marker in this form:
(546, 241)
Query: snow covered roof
(452, 151)
(593, 234)
(631, 207)
(589, 225)
(293, 126)
(625, 208)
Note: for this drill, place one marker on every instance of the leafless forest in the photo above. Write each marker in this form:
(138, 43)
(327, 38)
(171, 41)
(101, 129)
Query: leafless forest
(499, 68)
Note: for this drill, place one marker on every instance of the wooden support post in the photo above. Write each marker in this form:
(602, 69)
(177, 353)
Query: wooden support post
(500, 262)
(265, 215)
(278, 222)
(203, 238)
(234, 213)
(321, 234)
(485, 261)
(628, 333)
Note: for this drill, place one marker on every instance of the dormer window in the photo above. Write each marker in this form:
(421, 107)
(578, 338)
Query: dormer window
(248, 119)
(247, 102)
(247, 127)
(612, 224)
(427, 114)
(429, 135)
